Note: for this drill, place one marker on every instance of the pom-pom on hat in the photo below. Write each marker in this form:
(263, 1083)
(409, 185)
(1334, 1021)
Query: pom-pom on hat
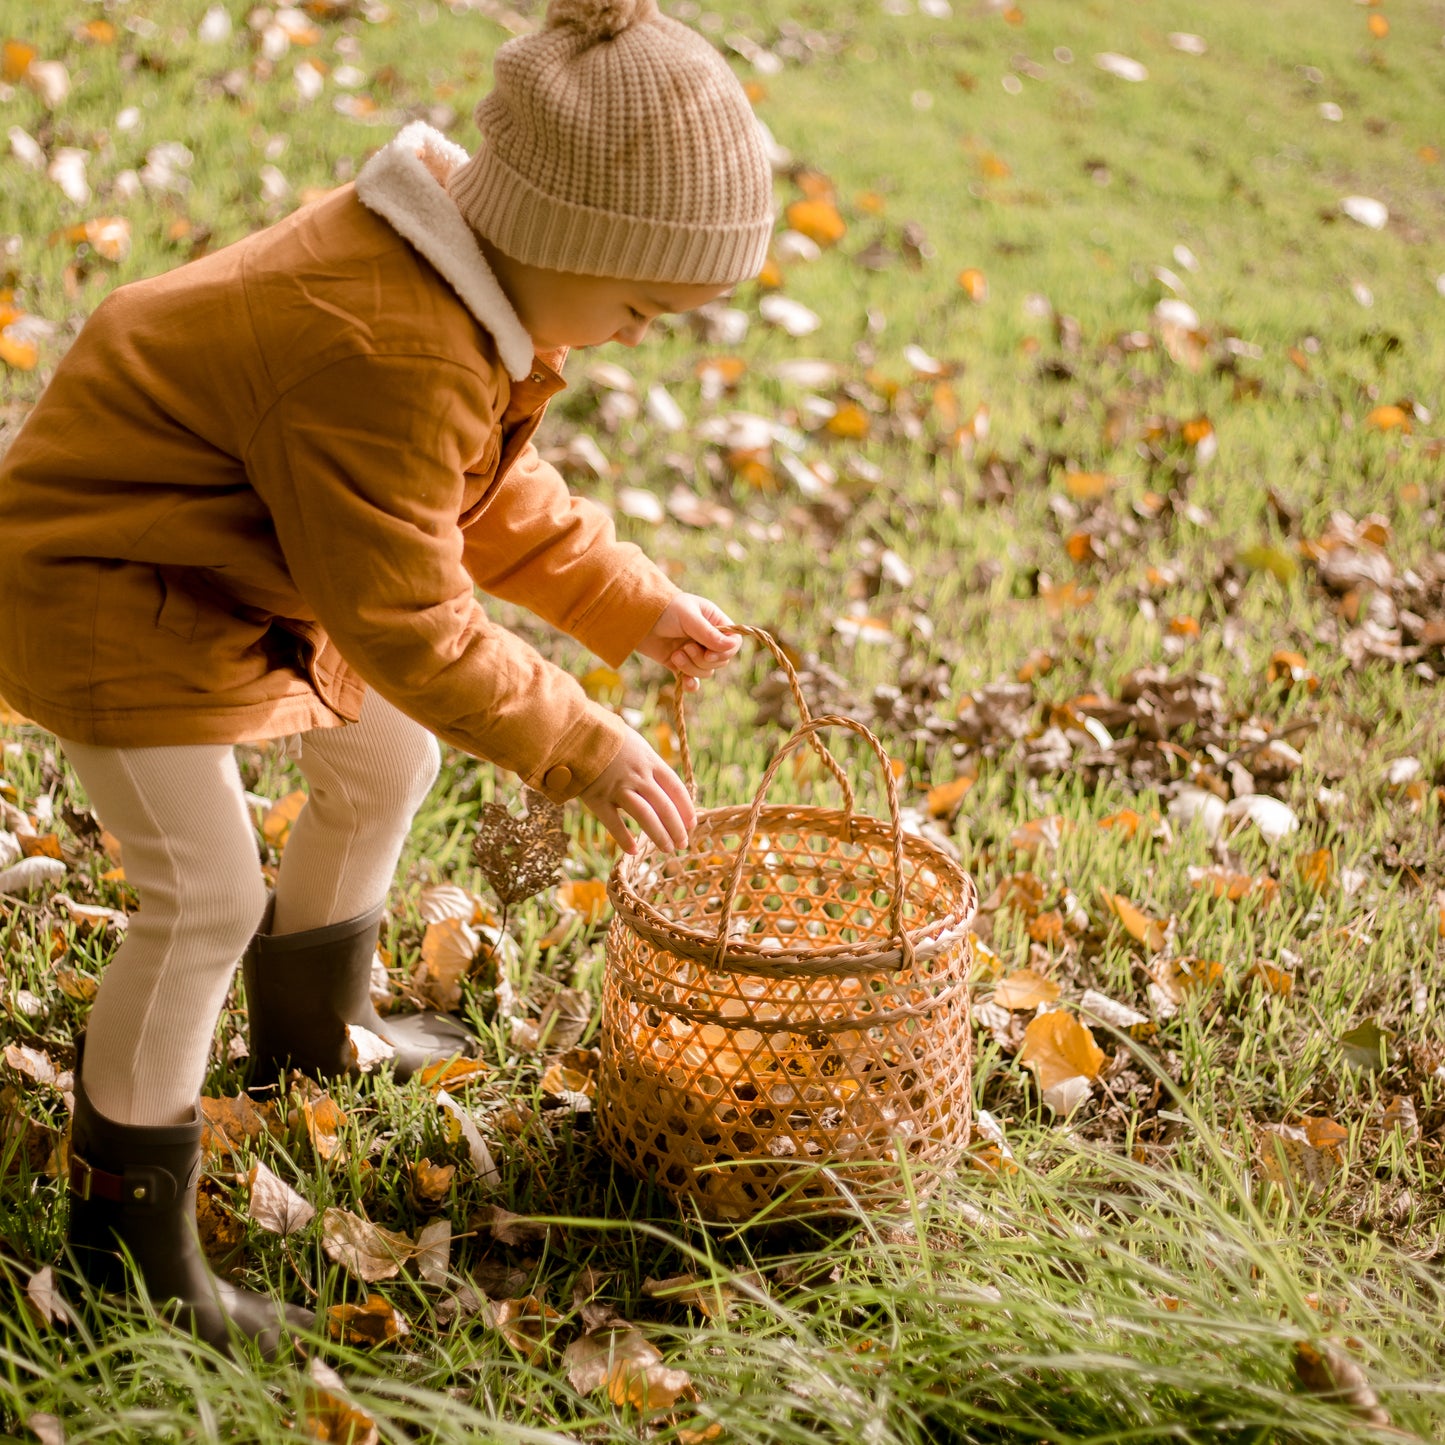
(616, 142)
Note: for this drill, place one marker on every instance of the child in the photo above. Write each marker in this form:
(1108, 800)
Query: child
(254, 502)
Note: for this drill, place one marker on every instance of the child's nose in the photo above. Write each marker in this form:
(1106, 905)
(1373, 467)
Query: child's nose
(632, 334)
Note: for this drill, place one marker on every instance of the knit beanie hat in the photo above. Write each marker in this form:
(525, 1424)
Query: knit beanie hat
(616, 142)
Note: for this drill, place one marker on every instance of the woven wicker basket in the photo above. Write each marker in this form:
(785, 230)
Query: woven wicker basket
(785, 1005)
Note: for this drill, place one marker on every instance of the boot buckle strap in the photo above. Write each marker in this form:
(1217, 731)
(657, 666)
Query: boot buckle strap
(134, 1186)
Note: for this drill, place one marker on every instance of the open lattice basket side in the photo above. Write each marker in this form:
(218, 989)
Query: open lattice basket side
(786, 1011)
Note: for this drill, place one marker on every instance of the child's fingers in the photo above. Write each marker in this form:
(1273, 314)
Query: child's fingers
(658, 818)
(701, 628)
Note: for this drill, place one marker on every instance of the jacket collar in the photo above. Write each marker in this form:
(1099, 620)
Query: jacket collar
(405, 184)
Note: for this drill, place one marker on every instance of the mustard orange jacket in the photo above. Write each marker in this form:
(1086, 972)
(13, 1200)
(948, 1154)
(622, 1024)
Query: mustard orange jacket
(267, 480)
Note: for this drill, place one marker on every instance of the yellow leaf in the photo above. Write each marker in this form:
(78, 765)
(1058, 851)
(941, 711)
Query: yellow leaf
(1039, 835)
(974, 284)
(943, 801)
(373, 1323)
(324, 1121)
(601, 683)
(14, 352)
(109, 237)
(1089, 486)
(1390, 418)
(1316, 870)
(1126, 820)
(849, 421)
(1379, 26)
(587, 896)
(98, 32)
(1057, 1046)
(276, 825)
(1136, 923)
(15, 60)
(1274, 980)
(1197, 430)
(818, 220)
(1024, 989)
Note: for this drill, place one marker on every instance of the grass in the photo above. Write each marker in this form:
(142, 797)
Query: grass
(1134, 1278)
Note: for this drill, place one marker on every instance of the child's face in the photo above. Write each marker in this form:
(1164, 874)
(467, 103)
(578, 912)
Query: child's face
(563, 308)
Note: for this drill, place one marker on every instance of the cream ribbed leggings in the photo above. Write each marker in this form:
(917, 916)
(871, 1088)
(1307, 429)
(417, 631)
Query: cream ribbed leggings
(190, 852)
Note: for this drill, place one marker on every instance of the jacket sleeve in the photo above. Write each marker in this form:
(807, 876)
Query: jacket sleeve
(558, 556)
(363, 477)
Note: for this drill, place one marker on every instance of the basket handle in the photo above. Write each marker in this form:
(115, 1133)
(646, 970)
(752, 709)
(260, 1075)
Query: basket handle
(739, 629)
(808, 732)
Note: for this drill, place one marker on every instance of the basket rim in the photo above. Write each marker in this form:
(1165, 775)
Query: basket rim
(633, 910)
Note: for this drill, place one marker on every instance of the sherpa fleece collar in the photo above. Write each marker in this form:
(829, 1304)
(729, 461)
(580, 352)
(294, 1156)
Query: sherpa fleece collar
(405, 184)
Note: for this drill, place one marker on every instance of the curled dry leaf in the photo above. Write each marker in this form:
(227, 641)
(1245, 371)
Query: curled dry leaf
(434, 1251)
(432, 1182)
(368, 1050)
(1301, 1158)
(508, 1228)
(1137, 923)
(1325, 1370)
(447, 900)
(453, 1073)
(36, 1064)
(44, 1300)
(230, 1123)
(328, 1415)
(944, 800)
(628, 1367)
(30, 875)
(377, 1322)
(366, 1249)
(526, 1324)
(448, 948)
(46, 1428)
(90, 916)
(461, 1125)
(325, 1119)
(275, 1205)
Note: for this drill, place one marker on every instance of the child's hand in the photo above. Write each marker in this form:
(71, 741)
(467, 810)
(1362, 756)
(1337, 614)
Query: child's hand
(638, 783)
(687, 639)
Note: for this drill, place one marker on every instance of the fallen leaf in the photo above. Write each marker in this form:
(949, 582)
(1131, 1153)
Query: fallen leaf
(944, 799)
(366, 1249)
(1137, 923)
(276, 825)
(587, 897)
(818, 220)
(44, 1299)
(1366, 1046)
(448, 949)
(275, 1206)
(377, 1322)
(325, 1119)
(1316, 870)
(461, 1125)
(328, 1415)
(452, 1073)
(526, 1324)
(230, 1123)
(628, 1367)
(1089, 486)
(1039, 835)
(973, 284)
(1057, 1047)
(520, 856)
(434, 1250)
(1325, 1370)
(1275, 980)
(1024, 989)
(432, 1182)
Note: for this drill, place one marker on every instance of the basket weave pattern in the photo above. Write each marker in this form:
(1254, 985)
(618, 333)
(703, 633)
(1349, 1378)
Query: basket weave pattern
(785, 1006)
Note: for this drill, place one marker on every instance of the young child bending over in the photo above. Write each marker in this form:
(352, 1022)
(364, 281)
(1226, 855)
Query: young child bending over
(255, 501)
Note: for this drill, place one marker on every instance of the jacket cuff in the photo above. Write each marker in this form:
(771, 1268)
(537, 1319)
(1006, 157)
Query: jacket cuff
(577, 761)
(624, 612)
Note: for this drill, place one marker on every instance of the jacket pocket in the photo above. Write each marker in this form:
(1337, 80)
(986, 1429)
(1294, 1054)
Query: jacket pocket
(180, 611)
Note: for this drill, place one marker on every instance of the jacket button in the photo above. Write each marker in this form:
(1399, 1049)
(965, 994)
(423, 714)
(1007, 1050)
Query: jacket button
(558, 777)
(537, 378)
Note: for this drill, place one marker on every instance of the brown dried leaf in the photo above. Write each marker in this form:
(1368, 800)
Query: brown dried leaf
(329, 1416)
(585, 896)
(506, 1227)
(275, 1205)
(520, 857)
(628, 1367)
(368, 1251)
(233, 1122)
(448, 948)
(526, 1324)
(376, 1322)
(276, 825)
(324, 1121)
(432, 1182)
(1324, 1369)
